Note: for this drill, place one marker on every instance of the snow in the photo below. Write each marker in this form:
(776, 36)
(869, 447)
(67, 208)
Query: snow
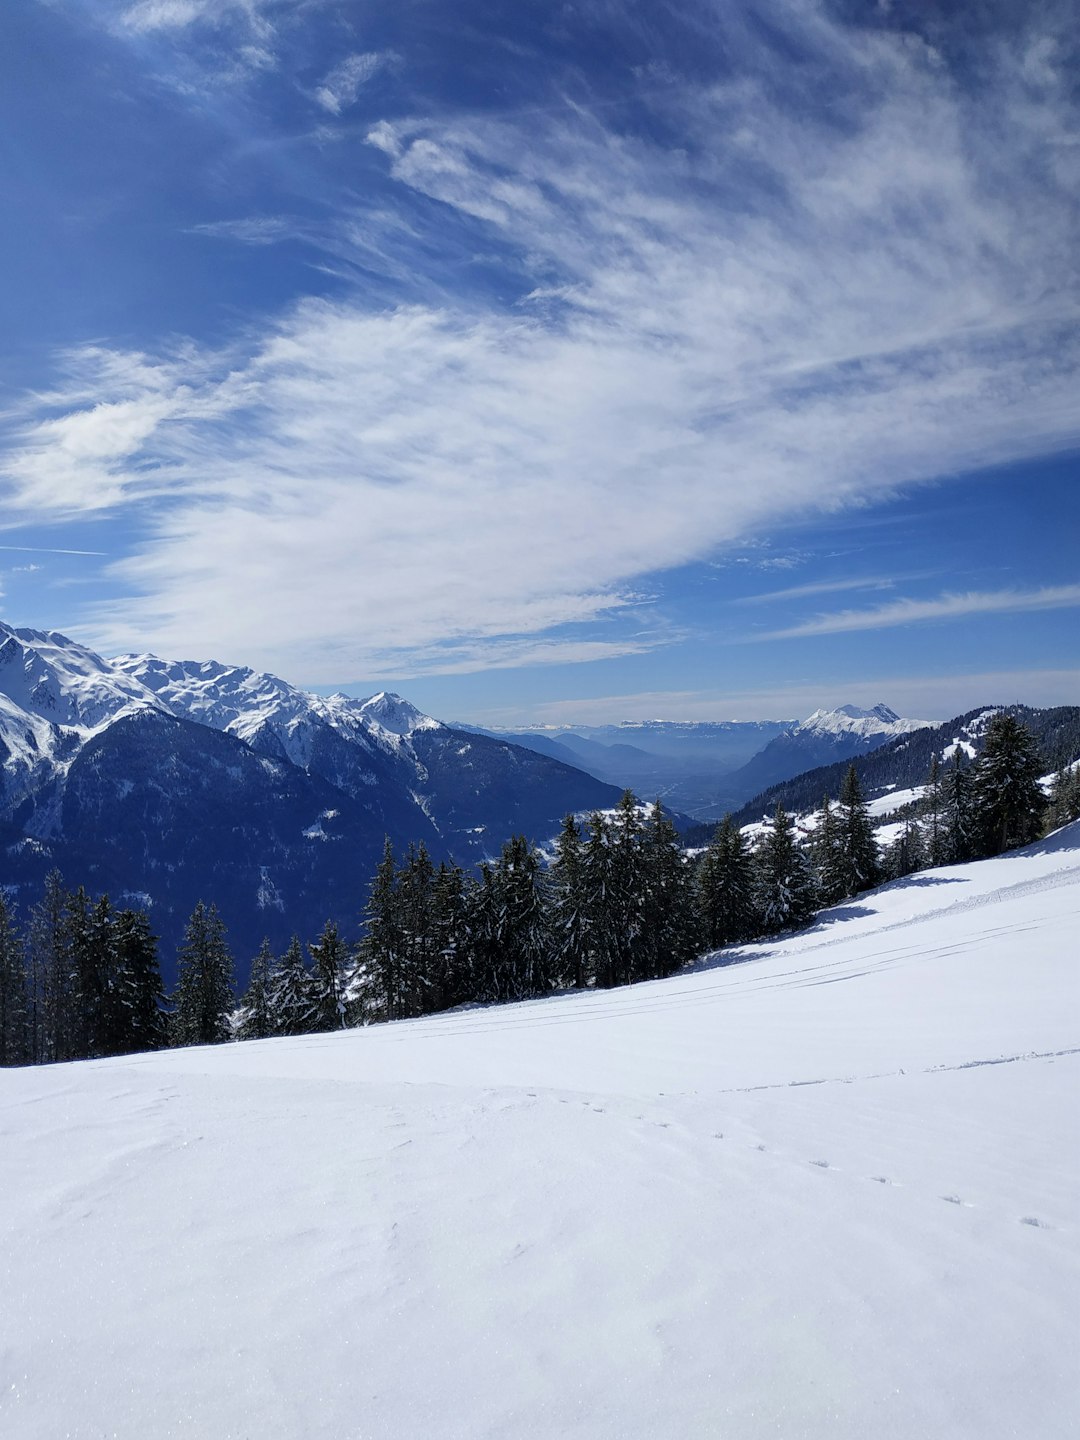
(895, 800)
(851, 720)
(830, 1190)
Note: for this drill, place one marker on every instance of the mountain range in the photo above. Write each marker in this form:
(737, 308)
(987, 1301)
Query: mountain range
(166, 782)
(706, 768)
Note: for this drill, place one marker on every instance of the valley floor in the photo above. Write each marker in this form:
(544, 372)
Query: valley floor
(830, 1190)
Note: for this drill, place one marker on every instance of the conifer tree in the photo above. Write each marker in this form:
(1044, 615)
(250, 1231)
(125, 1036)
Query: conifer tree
(783, 883)
(957, 808)
(449, 981)
(907, 852)
(52, 997)
(1008, 802)
(1064, 804)
(669, 933)
(825, 852)
(857, 859)
(291, 1001)
(139, 988)
(383, 947)
(601, 903)
(725, 889)
(256, 1011)
(627, 896)
(568, 929)
(935, 828)
(515, 946)
(329, 957)
(14, 1013)
(204, 992)
(415, 917)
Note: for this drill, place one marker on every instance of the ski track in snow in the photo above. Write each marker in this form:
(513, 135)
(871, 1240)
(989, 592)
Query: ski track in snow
(829, 1190)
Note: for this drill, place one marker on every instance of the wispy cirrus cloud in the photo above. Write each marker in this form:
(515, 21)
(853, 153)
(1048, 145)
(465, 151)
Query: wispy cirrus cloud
(750, 311)
(341, 87)
(823, 587)
(943, 607)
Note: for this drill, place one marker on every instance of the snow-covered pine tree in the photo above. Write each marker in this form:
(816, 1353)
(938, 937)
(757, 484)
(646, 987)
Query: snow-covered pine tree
(857, 858)
(256, 1018)
(1008, 802)
(204, 991)
(14, 1012)
(516, 958)
(568, 927)
(329, 957)
(784, 887)
(291, 1002)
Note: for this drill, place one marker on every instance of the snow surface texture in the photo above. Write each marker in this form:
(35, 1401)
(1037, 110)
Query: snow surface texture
(828, 1191)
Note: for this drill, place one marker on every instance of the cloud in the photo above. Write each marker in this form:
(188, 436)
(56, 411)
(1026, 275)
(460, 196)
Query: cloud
(147, 16)
(775, 310)
(251, 230)
(945, 607)
(819, 587)
(343, 84)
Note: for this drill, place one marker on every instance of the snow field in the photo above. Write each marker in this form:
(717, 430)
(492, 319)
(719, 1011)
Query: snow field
(830, 1190)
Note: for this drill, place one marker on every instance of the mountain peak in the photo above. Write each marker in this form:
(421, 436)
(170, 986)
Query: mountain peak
(392, 712)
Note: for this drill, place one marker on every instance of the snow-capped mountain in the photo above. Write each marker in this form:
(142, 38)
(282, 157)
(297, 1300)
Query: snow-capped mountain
(850, 720)
(180, 780)
(823, 738)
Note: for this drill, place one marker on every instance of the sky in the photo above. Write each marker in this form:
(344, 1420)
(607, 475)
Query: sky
(549, 362)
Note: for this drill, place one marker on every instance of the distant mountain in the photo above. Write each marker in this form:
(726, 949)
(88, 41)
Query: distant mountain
(165, 782)
(679, 762)
(823, 738)
(903, 762)
(707, 768)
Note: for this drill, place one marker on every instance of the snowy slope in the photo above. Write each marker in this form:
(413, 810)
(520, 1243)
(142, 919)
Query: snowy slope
(830, 1191)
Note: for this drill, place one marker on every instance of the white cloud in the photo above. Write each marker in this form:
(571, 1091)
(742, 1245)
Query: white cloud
(343, 84)
(944, 607)
(781, 314)
(820, 587)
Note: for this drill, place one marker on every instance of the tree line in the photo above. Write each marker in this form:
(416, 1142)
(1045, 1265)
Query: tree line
(618, 900)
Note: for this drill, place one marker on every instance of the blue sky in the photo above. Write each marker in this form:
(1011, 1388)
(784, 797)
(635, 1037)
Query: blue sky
(543, 361)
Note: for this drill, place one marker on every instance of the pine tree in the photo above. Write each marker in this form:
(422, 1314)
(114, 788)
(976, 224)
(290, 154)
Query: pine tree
(1008, 800)
(14, 1013)
(329, 956)
(725, 889)
(449, 980)
(907, 852)
(602, 912)
(52, 1000)
(383, 948)
(669, 931)
(291, 1001)
(1064, 804)
(627, 897)
(204, 992)
(783, 883)
(256, 1013)
(857, 859)
(514, 948)
(829, 869)
(568, 927)
(139, 988)
(414, 908)
(935, 829)
(959, 820)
